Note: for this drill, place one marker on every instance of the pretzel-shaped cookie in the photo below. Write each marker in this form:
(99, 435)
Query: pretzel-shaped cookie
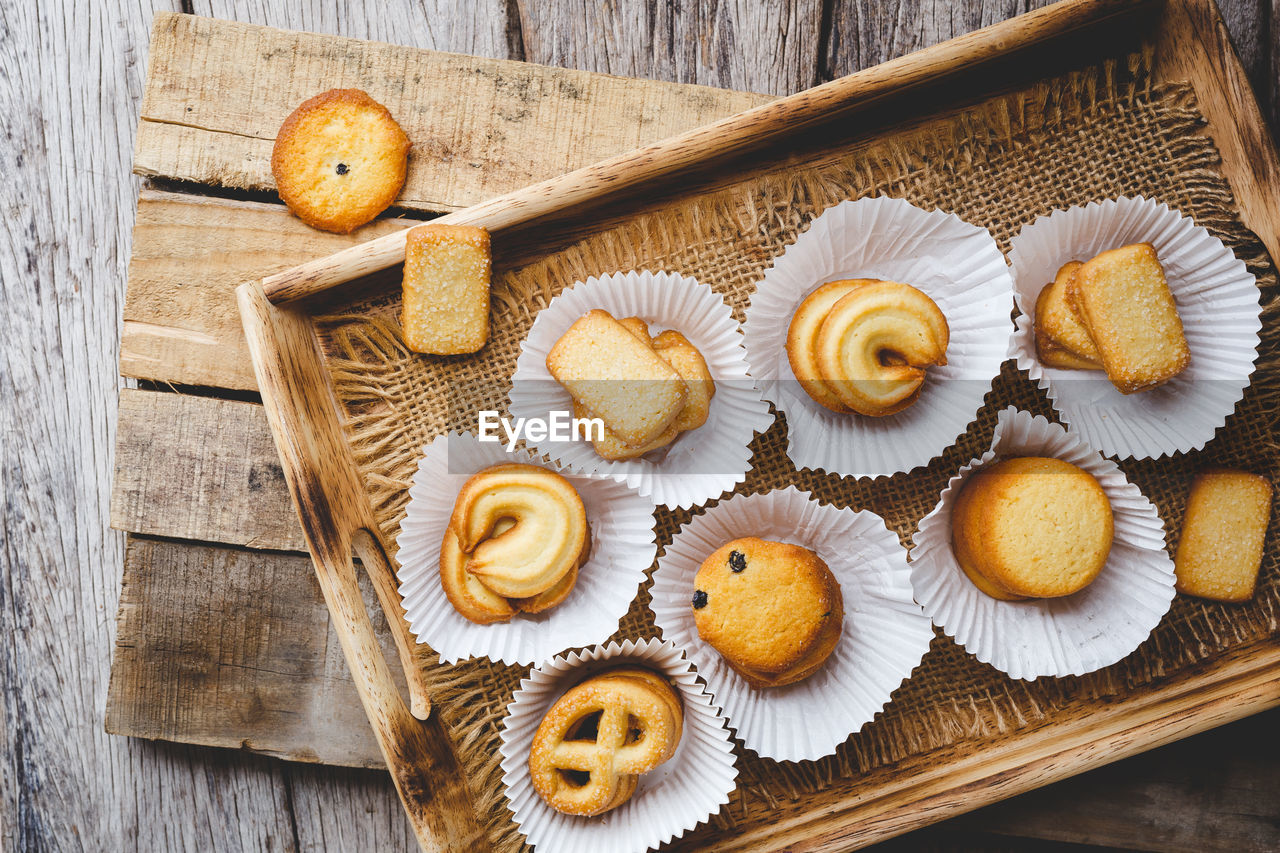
(600, 735)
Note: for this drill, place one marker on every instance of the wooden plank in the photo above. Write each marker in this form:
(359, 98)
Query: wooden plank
(480, 127)
(757, 45)
(189, 255)
(427, 24)
(203, 656)
(200, 468)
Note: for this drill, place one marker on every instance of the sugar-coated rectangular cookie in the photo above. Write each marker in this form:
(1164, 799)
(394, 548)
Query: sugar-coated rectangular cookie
(607, 369)
(1126, 304)
(1220, 550)
(446, 289)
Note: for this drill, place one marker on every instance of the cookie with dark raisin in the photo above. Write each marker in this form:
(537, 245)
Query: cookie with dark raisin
(339, 160)
(774, 611)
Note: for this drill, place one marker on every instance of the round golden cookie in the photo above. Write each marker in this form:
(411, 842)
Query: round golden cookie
(875, 344)
(773, 611)
(802, 340)
(339, 160)
(1032, 527)
(597, 738)
(543, 544)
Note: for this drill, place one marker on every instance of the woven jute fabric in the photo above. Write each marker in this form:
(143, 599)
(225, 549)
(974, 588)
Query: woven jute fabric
(1096, 134)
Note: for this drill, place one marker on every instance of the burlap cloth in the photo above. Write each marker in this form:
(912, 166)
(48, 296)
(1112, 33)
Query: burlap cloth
(1086, 136)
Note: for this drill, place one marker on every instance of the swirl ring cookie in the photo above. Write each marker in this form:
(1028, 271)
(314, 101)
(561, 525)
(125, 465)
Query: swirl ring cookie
(543, 545)
(339, 160)
(875, 343)
(597, 738)
(802, 335)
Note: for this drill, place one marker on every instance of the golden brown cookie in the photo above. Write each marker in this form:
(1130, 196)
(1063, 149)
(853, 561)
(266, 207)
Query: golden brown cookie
(540, 548)
(875, 344)
(339, 160)
(614, 374)
(1126, 304)
(597, 738)
(1220, 550)
(676, 350)
(1033, 527)
(445, 307)
(1061, 337)
(773, 611)
(802, 340)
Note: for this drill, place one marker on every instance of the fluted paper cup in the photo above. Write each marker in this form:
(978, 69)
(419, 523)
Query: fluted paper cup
(679, 794)
(885, 633)
(700, 464)
(957, 264)
(1079, 633)
(1218, 301)
(622, 549)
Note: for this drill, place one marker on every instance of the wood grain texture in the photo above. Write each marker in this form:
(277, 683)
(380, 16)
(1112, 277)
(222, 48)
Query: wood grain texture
(200, 468)
(676, 160)
(189, 255)
(199, 659)
(757, 45)
(338, 522)
(219, 128)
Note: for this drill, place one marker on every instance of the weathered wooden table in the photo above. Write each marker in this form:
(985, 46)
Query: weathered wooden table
(72, 80)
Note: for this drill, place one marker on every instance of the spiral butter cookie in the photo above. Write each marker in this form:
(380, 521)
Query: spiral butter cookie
(597, 738)
(339, 160)
(862, 345)
(875, 344)
(516, 539)
(773, 611)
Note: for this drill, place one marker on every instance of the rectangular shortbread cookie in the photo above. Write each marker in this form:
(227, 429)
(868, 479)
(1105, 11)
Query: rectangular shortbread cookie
(1220, 551)
(446, 289)
(1125, 302)
(618, 377)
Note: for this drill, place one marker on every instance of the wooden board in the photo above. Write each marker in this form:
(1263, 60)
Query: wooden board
(170, 361)
(304, 420)
(218, 91)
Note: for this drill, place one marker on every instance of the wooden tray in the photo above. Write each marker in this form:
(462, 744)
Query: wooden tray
(332, 500)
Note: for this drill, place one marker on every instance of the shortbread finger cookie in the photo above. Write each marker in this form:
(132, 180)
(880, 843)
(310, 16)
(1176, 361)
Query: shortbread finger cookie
(1058, 327)
(445, 307)
(609, 446)
(1220, 550)
(339, 160)
(1131, 315)
(677, 351)
(615, 375)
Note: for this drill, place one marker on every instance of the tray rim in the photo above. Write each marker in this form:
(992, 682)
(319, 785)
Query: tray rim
(1191, 43)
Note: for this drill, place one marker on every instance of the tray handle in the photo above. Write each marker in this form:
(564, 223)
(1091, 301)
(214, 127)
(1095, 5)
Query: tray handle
(337, 521)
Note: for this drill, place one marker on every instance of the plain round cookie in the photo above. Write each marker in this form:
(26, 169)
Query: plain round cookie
(339, 160)
(1034, 527)
(773, 610)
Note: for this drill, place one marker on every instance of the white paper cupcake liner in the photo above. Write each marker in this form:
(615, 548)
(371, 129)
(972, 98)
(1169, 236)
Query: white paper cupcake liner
(884, 637)
(679, 794)
(1218, 302)
(957, 264)
(622, 549)
(700, 464)
(1072, 635)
